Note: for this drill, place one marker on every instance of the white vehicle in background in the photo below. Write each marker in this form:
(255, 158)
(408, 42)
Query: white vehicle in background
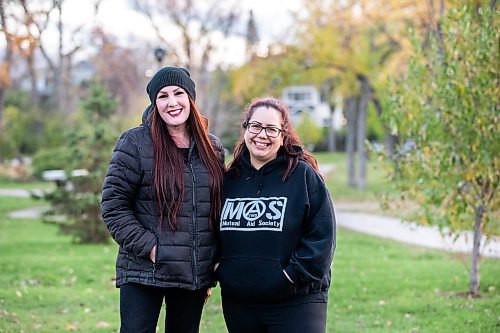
(306, 99)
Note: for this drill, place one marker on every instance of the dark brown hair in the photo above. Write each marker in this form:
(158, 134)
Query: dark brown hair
(290, 137)
(168, 166)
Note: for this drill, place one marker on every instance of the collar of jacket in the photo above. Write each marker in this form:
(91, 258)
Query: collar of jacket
(249, 170)
(146, 115)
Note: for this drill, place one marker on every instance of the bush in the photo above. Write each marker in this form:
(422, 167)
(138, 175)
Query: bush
(50, 159)
(76, 207)
(310, 133)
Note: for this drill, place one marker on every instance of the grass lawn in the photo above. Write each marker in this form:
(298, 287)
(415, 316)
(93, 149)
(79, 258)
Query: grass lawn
(26, 185)
(49, 284)
(337, 179)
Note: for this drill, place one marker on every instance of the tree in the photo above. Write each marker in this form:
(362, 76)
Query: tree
(360, 44)
(251, 37)
(76, 207)
(25, 24)
(18, 121)
(447, 104)
(127, 87)
(310, 134)
(347, 45)
(191, 31)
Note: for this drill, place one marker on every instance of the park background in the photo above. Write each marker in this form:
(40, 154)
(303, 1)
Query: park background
(414, 85)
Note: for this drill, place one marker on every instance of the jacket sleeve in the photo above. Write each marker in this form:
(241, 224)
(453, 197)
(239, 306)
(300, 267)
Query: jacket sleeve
(312, 259)
(121, 184)
(219, 149)
(221, 155)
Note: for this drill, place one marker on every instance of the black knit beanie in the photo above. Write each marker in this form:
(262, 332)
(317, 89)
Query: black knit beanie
(170, 76)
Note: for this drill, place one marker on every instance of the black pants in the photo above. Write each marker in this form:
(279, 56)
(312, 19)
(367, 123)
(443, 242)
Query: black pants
(140, 307)
(267, 318)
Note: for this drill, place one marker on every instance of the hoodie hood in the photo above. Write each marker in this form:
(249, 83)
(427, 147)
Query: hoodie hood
(279, 161)
(146, 115)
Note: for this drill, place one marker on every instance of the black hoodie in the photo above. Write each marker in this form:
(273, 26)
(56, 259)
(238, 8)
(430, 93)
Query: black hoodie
(269, 225)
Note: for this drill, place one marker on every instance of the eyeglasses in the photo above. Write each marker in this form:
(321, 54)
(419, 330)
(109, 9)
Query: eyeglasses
(271, 131)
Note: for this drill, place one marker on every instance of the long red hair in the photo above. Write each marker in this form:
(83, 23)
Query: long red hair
(168, 166)
(290, 137)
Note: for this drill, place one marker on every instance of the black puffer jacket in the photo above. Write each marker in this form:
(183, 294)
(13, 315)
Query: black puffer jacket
(184, 258)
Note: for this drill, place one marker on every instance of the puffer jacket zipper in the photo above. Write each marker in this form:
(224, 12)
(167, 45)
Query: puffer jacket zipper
(194, 262)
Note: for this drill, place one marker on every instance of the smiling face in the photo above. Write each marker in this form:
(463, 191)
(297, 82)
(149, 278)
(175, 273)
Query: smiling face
(262, 147)
(173, 105)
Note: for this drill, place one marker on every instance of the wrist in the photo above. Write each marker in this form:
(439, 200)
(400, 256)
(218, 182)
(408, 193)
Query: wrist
(288, 277)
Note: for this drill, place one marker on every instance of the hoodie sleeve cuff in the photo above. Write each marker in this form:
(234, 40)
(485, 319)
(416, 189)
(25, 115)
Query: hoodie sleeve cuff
(291, 273)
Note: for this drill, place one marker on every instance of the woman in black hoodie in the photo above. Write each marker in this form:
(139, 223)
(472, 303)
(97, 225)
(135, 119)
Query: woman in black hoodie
(277, 229)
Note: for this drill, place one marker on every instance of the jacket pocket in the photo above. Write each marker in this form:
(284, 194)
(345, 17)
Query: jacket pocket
(253, 278)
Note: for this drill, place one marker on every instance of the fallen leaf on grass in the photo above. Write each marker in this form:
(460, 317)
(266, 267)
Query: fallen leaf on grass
(102, 324)
(409, 316)
(13, 318)
(69, 282)
(71, 327)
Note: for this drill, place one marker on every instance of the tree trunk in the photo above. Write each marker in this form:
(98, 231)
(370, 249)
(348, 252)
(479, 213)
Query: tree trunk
(326, 92)
(390, 142)
(216, 85)
(360, 141)
(366, 96)
(34, 93)
(2, 102)
(7, 60)
(59, 72)
(476, 246)
(390, 139)
(351, 115)
(332, 145)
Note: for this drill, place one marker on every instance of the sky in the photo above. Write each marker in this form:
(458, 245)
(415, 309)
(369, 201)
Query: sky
(272, 18)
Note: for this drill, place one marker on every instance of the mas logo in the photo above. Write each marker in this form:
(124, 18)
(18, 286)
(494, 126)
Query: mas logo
(253, 214)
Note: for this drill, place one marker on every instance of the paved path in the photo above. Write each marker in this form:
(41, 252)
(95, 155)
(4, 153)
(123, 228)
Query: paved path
(377, 225)
(30, 213)
(18, 193)
(412, 233)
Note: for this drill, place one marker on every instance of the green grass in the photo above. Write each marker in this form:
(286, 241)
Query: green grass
(4, 184)
(337, 179)
(385, 286)
(50, 284)
(8, 204)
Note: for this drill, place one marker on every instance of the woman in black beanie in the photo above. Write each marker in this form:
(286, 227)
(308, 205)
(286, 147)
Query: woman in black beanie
(160, 202)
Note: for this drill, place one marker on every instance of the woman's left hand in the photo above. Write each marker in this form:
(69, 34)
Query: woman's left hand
(209, 293)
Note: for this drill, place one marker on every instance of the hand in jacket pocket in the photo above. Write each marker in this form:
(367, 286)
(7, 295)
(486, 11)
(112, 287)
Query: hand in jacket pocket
(152, 255)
